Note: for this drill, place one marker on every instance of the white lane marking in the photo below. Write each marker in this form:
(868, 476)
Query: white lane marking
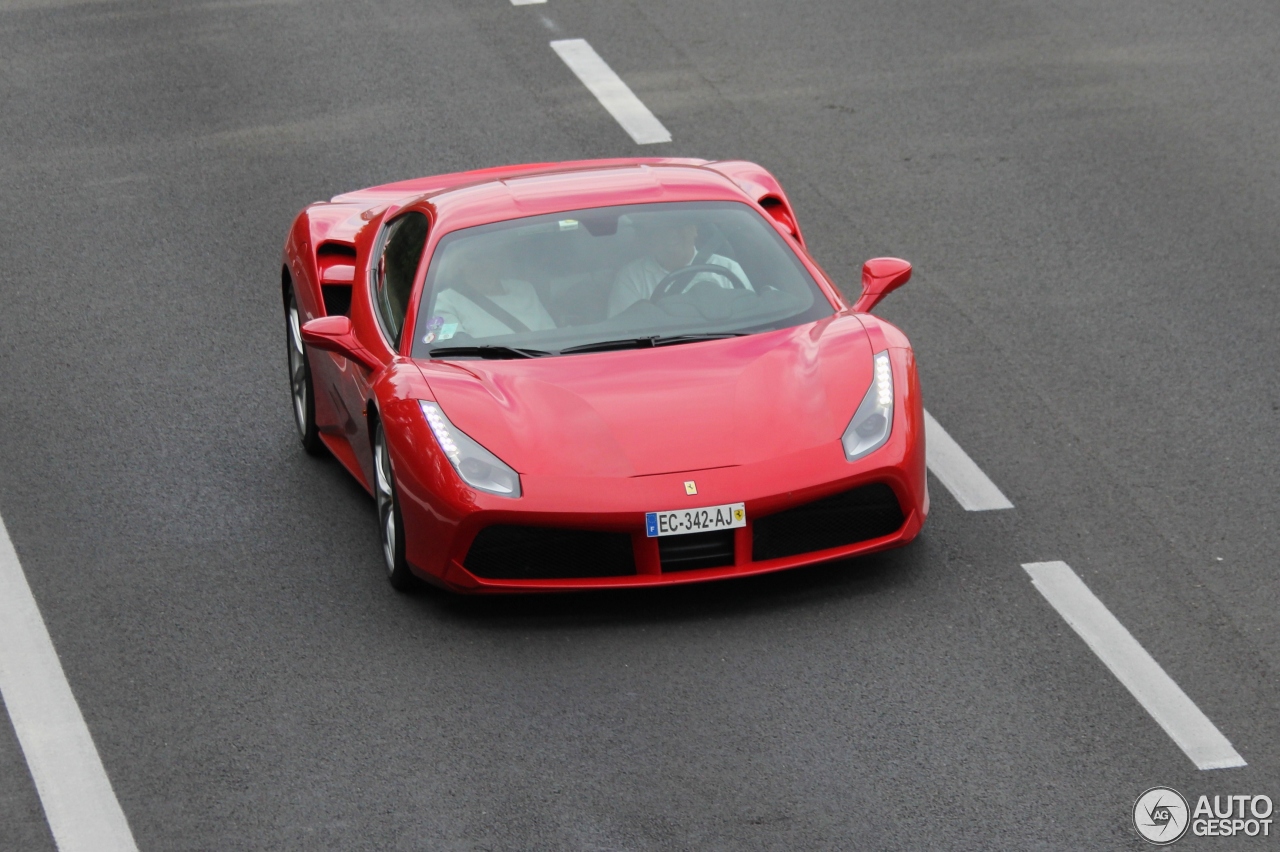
(613, 94)
(81, 807)
(1133, 666)
(954, 469)
(526, 2)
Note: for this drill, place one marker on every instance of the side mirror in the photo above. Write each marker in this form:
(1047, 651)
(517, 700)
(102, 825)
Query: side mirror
(880, 277)
(336, 334)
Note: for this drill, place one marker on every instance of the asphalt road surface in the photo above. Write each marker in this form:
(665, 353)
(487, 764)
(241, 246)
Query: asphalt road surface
(1090, 193)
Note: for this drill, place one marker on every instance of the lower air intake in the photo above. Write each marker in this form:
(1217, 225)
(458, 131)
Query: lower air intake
(862, 514)
(696, 550)
(508, 552)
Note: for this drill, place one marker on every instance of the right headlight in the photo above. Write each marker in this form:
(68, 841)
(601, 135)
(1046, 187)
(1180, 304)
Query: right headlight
(873, 421)
(478, 467)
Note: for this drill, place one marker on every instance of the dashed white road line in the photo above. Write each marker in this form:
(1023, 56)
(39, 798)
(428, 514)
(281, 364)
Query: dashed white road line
(79, 804)
(1133, 666)
(613, 94)
(955, 470)
(527, 2)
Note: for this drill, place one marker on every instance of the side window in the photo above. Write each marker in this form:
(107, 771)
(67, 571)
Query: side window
(392, 277)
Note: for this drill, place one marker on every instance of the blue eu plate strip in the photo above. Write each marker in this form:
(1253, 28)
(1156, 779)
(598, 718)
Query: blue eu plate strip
(651, 524)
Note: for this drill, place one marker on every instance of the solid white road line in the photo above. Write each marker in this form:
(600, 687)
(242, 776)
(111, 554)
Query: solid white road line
(526, 2)
(79, 804)
(954, 469)
(635, 118)
(1133, 666)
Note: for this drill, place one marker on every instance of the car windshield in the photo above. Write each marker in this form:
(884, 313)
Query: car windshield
(611, 278)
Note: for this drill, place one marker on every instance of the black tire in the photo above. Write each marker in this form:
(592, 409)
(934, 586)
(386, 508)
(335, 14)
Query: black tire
(301, 389)
(390, 524)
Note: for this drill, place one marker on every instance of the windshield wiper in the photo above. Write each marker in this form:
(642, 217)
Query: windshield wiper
(650, 341)
(693, 338)
(485, 351)
(605, 345)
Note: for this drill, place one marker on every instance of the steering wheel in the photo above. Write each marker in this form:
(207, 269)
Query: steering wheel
(667, 285)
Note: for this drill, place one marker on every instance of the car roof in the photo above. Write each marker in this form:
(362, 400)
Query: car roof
(464, 199)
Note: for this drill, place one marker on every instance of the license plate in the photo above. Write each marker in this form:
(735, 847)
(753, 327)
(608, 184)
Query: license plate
(706, 519)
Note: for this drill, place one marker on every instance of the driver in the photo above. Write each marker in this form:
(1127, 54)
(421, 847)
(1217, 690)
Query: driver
(670, 244)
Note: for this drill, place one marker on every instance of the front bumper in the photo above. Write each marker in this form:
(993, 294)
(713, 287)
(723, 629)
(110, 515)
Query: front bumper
(441, 527)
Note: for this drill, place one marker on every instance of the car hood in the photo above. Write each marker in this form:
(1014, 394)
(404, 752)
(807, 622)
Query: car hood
(677, 408)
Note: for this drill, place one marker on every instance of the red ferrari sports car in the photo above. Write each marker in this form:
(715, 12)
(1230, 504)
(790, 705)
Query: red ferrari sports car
(600, 374)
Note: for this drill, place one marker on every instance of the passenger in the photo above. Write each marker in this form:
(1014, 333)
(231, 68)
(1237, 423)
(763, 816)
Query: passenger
(479, 300)
(670, 244)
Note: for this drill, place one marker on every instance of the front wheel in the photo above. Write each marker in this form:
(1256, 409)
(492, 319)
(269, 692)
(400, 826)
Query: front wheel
(390, 526)
(300, 384)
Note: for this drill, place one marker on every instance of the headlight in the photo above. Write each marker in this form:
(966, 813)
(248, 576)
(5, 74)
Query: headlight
(873, 421)
(478, 467)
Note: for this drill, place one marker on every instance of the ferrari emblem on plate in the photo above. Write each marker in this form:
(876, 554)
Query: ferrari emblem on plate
(690, 487)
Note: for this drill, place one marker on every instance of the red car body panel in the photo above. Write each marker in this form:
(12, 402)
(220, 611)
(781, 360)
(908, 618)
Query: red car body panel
(600, 439)
(647, 412)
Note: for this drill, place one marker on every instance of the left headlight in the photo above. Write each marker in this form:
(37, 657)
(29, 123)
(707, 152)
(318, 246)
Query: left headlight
(873, 421)
(478, 467)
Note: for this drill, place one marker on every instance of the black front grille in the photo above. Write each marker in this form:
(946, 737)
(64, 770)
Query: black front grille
(696, 550)
(507, 552)
(847, 518)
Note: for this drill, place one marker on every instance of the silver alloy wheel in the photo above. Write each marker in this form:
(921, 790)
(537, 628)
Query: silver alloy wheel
(386, 500)
(297, 369)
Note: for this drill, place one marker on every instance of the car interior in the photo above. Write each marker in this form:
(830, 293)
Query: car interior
(572, 261)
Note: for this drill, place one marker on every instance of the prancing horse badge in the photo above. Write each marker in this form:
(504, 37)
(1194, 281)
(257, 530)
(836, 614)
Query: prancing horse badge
(690, 487)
